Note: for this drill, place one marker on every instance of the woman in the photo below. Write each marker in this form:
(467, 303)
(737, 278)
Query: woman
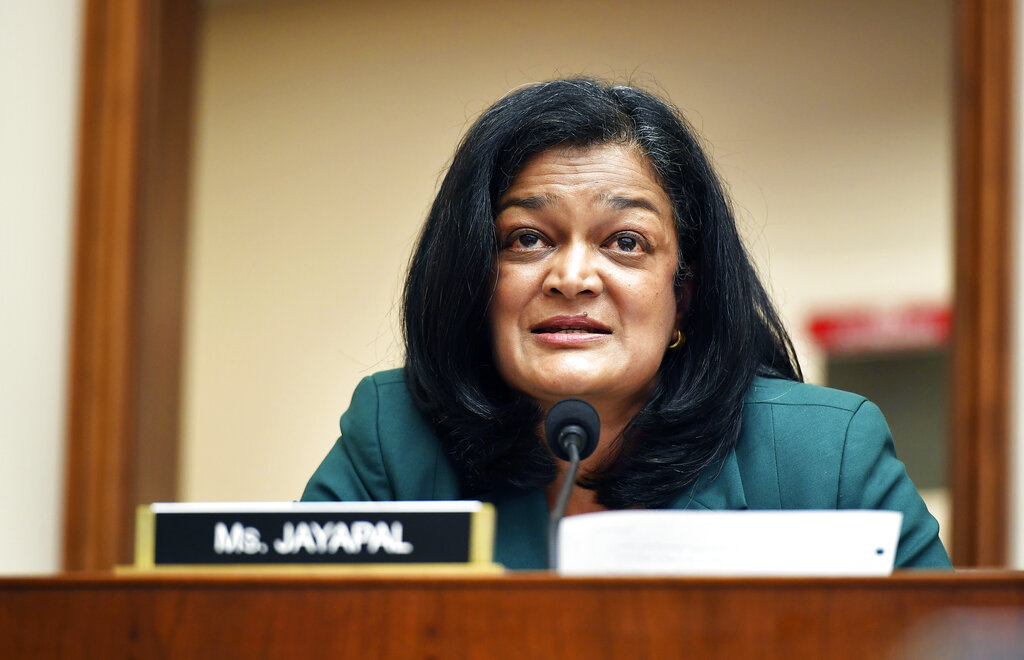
(581, 245)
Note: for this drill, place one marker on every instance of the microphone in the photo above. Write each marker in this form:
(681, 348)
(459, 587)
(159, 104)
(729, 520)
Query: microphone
(572, 429)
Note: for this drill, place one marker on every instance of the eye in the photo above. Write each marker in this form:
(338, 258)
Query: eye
(525, 239)
(627, 242)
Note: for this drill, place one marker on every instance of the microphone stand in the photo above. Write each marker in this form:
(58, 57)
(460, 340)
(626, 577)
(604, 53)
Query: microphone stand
(572, 429)
(558, 512)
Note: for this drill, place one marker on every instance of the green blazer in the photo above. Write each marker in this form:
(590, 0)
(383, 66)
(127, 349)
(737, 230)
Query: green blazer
(801, 447)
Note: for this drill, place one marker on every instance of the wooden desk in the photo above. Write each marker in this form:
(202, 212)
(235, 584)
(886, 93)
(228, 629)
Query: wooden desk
(518, 616)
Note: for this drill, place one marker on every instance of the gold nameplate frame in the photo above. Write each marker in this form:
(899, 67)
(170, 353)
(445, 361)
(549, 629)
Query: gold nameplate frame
(443, 536)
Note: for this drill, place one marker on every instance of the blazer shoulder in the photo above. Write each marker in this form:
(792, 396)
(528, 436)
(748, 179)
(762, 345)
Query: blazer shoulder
(384, 397)
(776, 391)
(793, 441)
(387, 450)
(389, 377)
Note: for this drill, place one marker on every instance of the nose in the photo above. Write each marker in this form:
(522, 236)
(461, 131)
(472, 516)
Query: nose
(573, 272)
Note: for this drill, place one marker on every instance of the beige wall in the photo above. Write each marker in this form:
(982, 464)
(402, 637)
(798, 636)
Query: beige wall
(324, 127)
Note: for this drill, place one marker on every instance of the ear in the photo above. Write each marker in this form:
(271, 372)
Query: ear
(684, 295)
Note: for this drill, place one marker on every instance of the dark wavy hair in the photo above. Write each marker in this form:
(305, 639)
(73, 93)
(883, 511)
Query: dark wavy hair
(692, 419)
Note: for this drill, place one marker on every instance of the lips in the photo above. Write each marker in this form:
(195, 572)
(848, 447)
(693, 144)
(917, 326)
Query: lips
(575, 324)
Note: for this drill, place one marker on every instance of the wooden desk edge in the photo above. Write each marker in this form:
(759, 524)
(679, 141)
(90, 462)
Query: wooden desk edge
(510, 580)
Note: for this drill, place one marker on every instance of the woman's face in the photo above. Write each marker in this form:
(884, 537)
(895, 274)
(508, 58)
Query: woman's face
(584, 303)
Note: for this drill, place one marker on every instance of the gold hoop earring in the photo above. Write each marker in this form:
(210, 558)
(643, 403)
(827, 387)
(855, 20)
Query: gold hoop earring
(678, 341)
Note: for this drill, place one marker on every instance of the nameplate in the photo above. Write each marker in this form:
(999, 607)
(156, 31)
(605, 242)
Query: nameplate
(314, 533)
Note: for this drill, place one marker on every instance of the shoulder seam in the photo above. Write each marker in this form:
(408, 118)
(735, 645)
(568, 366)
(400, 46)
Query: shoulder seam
(813, 404)
(380, 448)
(775, 454)
(842, 455)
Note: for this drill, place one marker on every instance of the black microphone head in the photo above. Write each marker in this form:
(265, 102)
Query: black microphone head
(572, 412)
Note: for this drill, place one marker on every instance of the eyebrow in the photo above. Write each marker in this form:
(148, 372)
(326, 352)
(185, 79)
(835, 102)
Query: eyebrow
(617, 202)
(530, 203)
(621, 203)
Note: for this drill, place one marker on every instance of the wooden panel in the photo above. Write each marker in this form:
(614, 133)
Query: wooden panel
(982, 310)
(166, 121)
(125, 352)
(99, 479)
(511, 617)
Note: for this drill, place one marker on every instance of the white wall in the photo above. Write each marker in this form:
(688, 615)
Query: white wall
(323, 128)
(39, 70)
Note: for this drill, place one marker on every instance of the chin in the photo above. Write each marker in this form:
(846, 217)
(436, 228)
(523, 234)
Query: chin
(572, 375)
(559, 386)
(548, 384)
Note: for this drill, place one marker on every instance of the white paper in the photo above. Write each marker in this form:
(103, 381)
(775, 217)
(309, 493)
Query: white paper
(730, 543)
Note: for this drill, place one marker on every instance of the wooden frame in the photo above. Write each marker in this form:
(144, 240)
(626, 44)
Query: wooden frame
(982, 300)
(122, 437)
(122, 433)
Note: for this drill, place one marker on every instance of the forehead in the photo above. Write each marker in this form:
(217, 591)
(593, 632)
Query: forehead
(601, 170)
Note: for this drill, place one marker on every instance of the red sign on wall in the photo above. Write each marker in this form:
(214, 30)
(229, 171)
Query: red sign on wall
(883, 330)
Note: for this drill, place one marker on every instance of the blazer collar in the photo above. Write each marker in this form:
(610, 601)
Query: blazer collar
(716, 491)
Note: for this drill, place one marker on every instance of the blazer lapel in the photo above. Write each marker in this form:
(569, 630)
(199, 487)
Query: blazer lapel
(716, 492)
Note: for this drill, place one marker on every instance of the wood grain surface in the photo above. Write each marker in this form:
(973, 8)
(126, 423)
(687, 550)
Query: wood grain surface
(982, 311)
(132, 196)
(519, 616)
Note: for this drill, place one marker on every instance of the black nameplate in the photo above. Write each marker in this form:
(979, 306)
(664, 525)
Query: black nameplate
(303, 534)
